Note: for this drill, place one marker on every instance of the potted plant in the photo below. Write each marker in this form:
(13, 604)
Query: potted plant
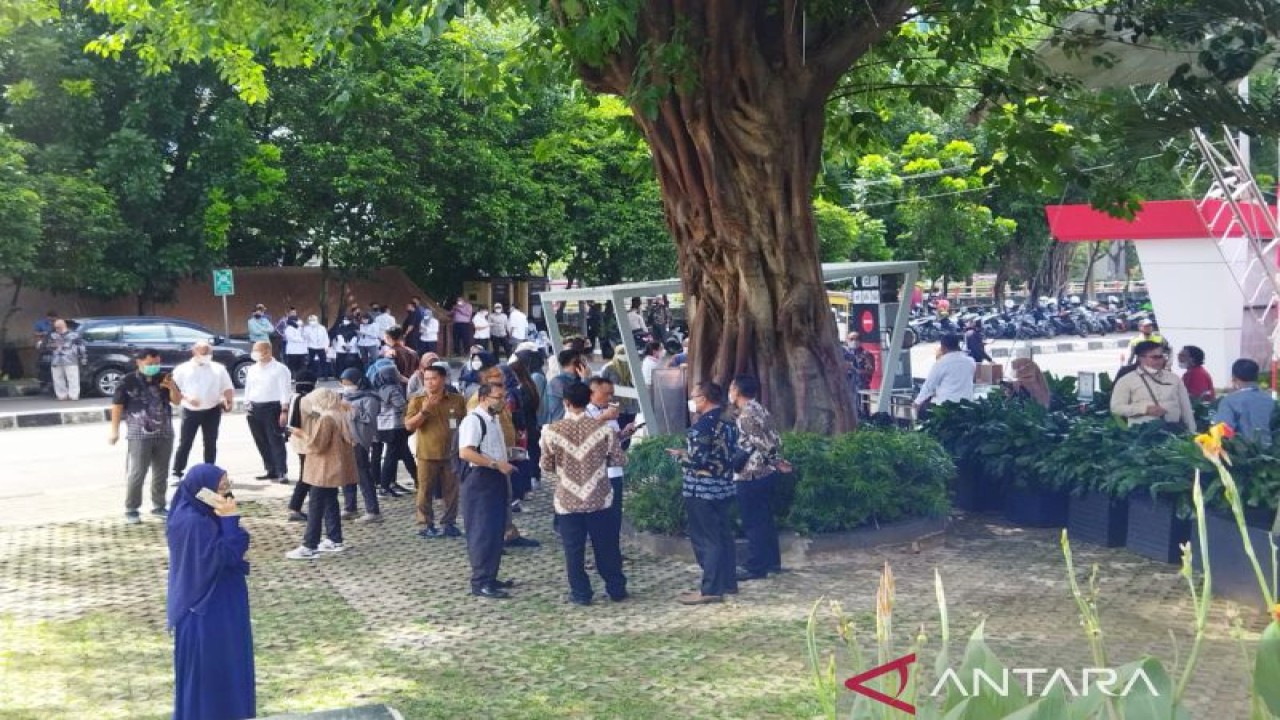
(1080, 465)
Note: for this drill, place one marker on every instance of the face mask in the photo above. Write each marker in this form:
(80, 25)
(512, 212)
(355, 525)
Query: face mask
(476, 364)
(313, 321)
(346, 389)
(149, 370)
(693, 406)
(255, 356)
(201, 359)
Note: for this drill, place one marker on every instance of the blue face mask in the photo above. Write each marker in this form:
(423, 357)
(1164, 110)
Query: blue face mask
(149, 370)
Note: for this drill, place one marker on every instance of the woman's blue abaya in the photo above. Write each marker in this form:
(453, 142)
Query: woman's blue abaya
(208, 606)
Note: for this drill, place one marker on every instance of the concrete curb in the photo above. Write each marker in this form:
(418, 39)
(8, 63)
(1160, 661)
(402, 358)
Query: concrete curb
(1063, 347)
(19, 388)
(77, 416)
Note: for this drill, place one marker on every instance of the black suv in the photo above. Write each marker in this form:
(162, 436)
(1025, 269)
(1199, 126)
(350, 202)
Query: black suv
(112, 341)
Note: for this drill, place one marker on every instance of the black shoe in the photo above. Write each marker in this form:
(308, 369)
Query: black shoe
(579, 601)
(393, 491)
(504, 584)
(523, 542)
(282, 480)
(515, 507)
(730, 591)
(492, 593)
(745, 575)
(452, 531)
(619, 598)
(397, 487)
(268, 476)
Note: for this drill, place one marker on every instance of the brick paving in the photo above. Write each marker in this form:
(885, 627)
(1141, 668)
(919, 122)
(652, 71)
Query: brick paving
(408, 600)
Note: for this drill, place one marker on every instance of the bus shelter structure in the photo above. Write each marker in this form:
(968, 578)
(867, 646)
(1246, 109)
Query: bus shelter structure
(620, 294)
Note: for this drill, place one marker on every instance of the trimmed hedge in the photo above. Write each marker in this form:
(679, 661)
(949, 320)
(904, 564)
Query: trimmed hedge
(839, 483)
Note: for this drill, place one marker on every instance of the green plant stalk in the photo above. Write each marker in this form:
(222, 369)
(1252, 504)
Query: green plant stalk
(1089, 617)
(1237, 509)
(1206, 590)
(823, 681)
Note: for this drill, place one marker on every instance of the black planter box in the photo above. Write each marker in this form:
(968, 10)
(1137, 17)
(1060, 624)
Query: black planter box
(1233, 576)
(1098, 518)
(1154, 531)
(1036, 508)
(973, 493)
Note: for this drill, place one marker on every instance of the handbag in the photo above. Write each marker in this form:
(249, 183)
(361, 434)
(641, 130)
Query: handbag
(1174, 428)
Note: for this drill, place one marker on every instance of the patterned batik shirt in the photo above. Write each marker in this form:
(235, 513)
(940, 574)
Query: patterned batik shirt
(757, 435)
(708, 473)
(578, 451)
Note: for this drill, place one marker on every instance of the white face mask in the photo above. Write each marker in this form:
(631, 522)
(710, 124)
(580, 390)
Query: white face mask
(256, 356)
(201, 359)
(693, 406)
(476, 364)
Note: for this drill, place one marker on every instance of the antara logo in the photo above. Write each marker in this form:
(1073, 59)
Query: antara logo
(1105, 680)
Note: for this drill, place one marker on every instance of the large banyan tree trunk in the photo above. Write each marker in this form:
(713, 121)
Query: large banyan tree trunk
(736, 152)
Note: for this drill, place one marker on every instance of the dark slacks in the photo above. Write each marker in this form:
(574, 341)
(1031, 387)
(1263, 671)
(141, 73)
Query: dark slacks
(616, 508)
(300, 490)
(600, 528)
(484, 512)
(296, 362)
(711, 533)
(264, 425)
(755, 504)
(461, 338)
(364, 471)
(323, 508)
(395, 450)
(318, 362)
(207, 422)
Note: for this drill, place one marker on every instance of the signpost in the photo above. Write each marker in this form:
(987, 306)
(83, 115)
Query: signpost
(224, 284)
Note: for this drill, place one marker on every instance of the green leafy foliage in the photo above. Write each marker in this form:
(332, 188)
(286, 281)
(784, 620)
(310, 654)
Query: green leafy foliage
(839, 483)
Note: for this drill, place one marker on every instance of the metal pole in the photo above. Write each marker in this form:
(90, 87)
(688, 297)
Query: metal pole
(895, 342)
(633, 357)
(226, 321)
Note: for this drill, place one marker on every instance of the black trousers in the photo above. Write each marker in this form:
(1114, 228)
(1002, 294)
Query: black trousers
(264, 425)
(395, 449)
(484, 512)
(755, 504)
(461, 338)
(323, 508)
(207, 422)
(616, 508)
(364, 471)
(599, 527)
(300, 490)
(711, 532)
(296, 362)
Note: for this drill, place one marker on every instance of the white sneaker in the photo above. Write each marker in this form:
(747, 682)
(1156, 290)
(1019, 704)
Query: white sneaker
(329, 546)
(302, 552)
(370, 518)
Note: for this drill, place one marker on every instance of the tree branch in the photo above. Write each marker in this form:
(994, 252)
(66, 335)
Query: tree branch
(852, 39)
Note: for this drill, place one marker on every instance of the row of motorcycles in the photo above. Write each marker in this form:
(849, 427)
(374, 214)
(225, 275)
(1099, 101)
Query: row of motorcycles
(1045, 318)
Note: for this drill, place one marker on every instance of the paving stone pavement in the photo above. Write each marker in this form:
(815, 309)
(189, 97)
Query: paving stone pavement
(409, 596)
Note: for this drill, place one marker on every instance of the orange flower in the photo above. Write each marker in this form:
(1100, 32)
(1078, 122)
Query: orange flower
(1211, 442)
(1276, 612)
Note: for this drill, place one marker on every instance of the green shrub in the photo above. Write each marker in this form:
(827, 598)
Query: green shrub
(653, 482)
(873, 475)
(838, 483)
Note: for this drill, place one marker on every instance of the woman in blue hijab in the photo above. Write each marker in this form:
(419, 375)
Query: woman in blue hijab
(208, 603)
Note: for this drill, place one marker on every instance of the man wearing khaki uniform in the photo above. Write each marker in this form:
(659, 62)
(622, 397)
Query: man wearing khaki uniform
(434, 416)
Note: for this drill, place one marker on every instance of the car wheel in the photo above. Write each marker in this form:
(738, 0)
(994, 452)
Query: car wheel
(239, 373)
(106, 380)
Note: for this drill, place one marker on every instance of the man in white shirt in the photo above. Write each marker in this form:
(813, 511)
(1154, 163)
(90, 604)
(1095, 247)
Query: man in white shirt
(268, 387)
(317, 339)
(384, 319)
(518, 325)
(430, 331)
(651, 362)
(602, 408)
(485, 491)
(951, 379)
(207, 392)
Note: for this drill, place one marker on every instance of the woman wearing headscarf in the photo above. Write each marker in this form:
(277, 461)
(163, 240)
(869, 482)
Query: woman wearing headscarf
(1028, 380)
(208, 601)
(331, 465)
(391, 431)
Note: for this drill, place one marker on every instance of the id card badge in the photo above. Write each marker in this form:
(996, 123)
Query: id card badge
(453, 423)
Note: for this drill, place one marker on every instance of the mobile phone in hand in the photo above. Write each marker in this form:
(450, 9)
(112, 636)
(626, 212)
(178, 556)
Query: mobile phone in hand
(210, 498)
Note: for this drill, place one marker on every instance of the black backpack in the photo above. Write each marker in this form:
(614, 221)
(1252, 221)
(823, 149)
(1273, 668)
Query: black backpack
(459, 465)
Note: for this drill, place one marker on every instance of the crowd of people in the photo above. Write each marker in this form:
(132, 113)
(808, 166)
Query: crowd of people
(480, 444)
